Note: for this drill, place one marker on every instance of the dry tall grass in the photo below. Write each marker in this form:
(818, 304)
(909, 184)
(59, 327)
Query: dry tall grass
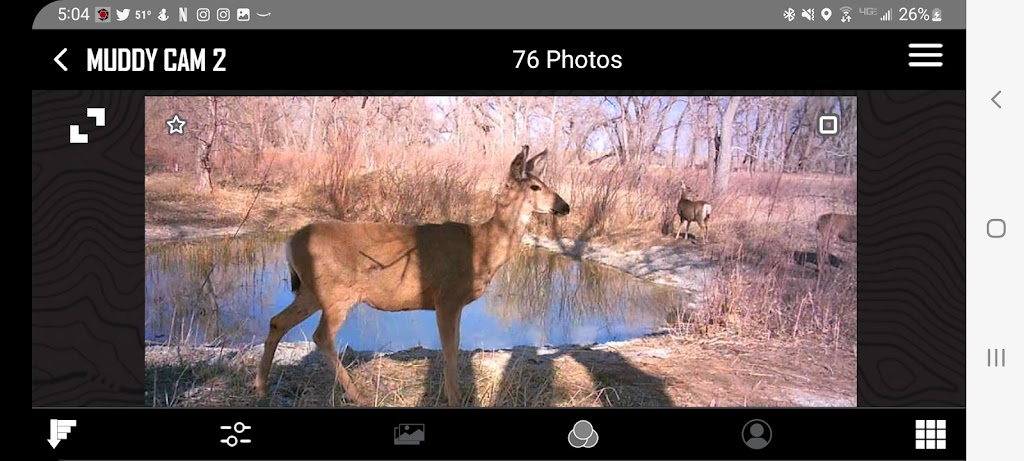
(758, 290)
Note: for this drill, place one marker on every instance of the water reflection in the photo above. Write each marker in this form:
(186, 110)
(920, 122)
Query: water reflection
(218, 292)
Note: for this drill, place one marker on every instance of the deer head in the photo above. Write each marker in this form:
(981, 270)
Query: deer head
(523, 184)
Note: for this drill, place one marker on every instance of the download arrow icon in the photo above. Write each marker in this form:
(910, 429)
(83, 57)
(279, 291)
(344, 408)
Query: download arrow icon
(59, 429)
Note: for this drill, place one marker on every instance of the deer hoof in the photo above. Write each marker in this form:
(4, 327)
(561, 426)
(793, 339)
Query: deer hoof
(455, 400)
(357, 400)
(260, 389)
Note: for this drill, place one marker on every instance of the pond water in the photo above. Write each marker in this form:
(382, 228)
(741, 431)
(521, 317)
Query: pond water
(220, 292)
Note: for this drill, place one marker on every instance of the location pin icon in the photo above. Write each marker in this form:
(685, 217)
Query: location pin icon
(826, 13)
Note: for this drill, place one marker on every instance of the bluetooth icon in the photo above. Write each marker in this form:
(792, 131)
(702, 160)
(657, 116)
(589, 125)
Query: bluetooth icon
(789, 14)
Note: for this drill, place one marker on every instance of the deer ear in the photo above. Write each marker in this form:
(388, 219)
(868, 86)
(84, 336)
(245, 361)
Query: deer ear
(517, 170)
(533, 161)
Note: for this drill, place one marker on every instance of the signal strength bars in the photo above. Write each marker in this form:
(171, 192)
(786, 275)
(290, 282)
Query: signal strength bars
(917, 54)
(887, 16)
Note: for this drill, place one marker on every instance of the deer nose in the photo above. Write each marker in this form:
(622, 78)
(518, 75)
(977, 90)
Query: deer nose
(562, 208)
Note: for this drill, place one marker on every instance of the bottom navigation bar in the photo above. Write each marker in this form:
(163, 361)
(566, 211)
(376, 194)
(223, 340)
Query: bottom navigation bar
(568, 434)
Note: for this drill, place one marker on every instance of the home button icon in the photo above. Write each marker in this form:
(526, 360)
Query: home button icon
(757, 434)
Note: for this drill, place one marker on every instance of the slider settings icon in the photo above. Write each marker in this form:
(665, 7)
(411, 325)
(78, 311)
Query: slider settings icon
(233, 440)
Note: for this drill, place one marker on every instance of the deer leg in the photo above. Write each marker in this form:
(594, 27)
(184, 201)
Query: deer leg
(688, 229)
(823, 259)
(448, 324)
(300, 309)
(828, 251)
(330, 322)
(704, 230)
(680, 229)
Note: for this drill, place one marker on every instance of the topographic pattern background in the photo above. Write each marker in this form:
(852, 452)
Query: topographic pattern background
(87, 250)
(912, 248)
(88, 244)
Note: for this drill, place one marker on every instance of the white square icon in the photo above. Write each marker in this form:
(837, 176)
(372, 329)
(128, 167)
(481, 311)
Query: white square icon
(930, 434)
(242, 14)
(223, 14)
(828, 124)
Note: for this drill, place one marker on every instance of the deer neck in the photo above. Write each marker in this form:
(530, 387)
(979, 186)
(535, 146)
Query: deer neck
(500, 235)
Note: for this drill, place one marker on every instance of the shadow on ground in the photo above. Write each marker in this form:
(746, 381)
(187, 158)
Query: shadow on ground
(658, 371)
(522, 377)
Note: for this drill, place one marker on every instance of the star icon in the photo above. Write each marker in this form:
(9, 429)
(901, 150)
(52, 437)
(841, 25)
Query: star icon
(176, 125)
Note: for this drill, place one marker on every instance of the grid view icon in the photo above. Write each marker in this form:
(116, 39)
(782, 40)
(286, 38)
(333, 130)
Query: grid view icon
(931, 434)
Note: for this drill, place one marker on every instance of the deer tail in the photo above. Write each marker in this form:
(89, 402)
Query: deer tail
(295, 281)
(707, 211)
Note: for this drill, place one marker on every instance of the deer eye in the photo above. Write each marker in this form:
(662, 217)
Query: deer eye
(535, 187)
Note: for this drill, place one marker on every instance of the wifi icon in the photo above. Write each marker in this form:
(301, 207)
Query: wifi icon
(846, 14)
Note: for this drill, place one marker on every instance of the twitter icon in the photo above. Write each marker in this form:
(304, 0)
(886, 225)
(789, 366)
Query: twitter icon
(122, 14)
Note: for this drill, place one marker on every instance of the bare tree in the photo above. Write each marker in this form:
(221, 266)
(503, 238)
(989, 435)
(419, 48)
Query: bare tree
(312, 125)
(204, 153)
(228, 136)
(723, 163)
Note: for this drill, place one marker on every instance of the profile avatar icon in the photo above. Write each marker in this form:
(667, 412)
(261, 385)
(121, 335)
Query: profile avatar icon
(757, 434)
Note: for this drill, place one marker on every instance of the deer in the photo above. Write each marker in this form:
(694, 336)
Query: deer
(692, 211)
(335, 265)
(831, 226)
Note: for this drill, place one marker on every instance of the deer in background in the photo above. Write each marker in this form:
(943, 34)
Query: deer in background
(692, 211)
(831, 226)
(335, 265)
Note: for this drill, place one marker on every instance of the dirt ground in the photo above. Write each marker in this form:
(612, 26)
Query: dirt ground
(676, 368)
(656, 371)
(173, 215)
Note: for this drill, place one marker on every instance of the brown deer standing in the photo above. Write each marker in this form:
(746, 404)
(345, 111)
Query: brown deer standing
(831, 226)
(693, 211)
(441, 267)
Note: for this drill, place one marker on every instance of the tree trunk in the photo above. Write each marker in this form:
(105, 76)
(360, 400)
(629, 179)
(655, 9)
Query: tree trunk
(204, 160)
(711, 118)
(554, 123)
(754, 150)
(675, 141)
(312, 125)
(724, 164)
(457, 128)
(813, 142)
(692, 157)
(787, 151)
